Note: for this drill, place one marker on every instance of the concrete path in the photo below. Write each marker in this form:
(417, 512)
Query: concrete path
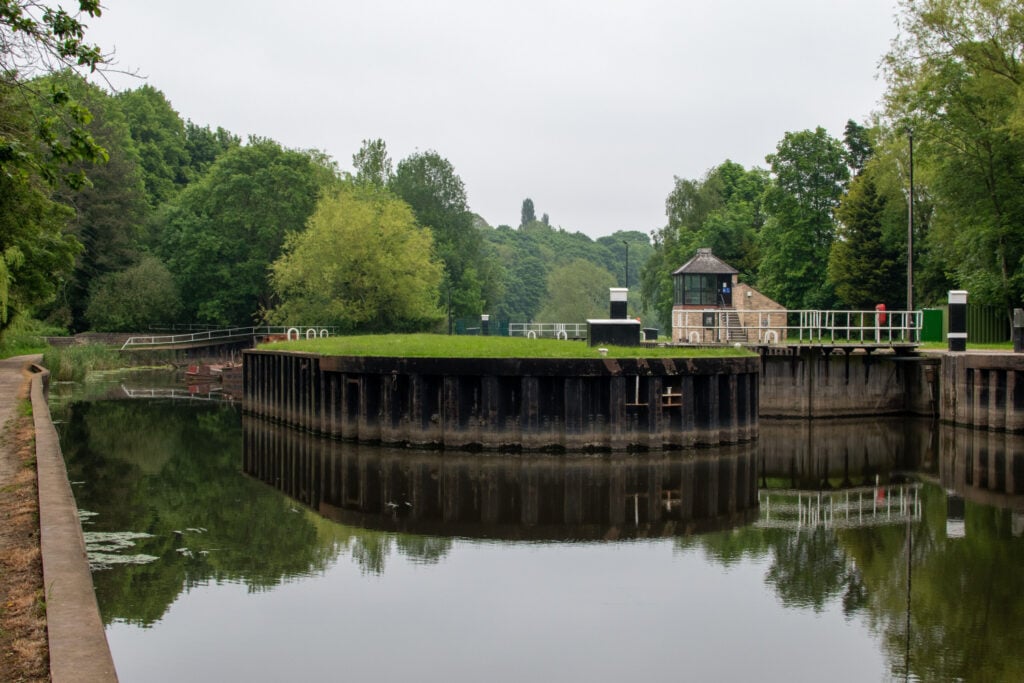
(77, 641)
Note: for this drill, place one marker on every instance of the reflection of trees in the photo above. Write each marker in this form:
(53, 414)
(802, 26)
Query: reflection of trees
(967, 594)
(172, 469)
(807, 569)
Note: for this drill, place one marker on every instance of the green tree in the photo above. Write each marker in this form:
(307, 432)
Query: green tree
(428, 183)
(108, 211)
(956, 78)
(41, 133)
(159, 135)
(526, 214)
(220, 234)
(809, 176)
(857, 140)
(372, 163)
(863, 268)
(362, 264)
(722, 211)
(133, 299)
(204, 146)
(576, 291)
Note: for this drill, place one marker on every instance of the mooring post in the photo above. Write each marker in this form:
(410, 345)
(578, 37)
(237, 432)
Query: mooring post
(957, 320)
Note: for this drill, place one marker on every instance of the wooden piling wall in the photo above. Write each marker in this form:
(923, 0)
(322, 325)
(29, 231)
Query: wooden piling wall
(515, 497)
(509, 404)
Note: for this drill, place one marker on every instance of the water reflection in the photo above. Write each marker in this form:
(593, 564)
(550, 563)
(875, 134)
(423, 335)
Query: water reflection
(189, 481)
(520, 497)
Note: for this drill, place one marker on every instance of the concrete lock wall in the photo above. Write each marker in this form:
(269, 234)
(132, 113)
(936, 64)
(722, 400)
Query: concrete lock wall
(983, 390)
(805, 382)
(509, 404)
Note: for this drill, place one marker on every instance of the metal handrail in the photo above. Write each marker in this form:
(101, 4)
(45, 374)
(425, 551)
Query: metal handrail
(843, 508)
(807, 326)
(229, 333)
(548, 330)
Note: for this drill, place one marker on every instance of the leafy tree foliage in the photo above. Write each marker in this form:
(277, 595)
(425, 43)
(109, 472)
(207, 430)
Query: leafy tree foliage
(863, 268)
(576, 291)
(134, 298)
(372, 163)
(109, 209)
(723, 211)
(159, 135)
(857, 140)
(220, 234)
(362, 264)
(204, 146)
(33, 245)
(527, 214)
(41, 132)
(428, 183)
(956, 78)
(809, 173)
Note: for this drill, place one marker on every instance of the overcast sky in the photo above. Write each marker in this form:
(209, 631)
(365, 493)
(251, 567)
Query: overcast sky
(588, 108)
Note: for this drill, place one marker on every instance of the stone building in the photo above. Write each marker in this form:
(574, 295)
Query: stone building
(711, 306)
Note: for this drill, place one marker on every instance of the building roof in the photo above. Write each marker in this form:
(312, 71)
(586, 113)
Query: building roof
(705, 263)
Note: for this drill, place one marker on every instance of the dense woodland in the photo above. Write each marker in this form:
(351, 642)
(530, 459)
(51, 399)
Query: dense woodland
(116, 213)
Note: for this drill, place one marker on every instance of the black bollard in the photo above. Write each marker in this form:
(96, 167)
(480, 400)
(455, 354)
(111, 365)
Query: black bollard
(957, 320)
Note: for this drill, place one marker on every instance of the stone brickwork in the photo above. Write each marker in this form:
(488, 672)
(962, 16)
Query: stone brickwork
(753, 318)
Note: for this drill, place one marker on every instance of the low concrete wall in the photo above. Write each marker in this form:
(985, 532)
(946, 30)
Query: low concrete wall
(509, 404)
(77, 641)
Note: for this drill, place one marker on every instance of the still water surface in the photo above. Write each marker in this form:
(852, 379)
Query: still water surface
(228, 549)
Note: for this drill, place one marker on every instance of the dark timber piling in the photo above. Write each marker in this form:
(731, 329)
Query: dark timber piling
(509, 404)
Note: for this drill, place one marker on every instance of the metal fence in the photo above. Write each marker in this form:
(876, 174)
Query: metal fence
(290, 332)
(841, 509)
(548, 330)
(806, 326)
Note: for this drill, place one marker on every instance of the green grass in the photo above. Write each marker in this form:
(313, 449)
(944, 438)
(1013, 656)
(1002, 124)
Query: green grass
(443, 346)
(25, 336)
(73, 363)
(971, 346)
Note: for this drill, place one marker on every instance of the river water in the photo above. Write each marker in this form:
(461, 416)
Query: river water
(228, 549)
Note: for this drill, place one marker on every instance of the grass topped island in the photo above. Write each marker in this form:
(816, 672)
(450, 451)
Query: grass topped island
(461, 346)
(503, 393)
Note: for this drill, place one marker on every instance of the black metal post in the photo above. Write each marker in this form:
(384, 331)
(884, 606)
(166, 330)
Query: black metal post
(957, 320)
(910, 229)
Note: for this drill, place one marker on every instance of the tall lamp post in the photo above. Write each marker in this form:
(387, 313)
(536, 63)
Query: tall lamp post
(910, 229)
(627, 272)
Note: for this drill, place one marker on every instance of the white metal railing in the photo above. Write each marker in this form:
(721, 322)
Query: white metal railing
(800, 326)
(548, 330)
(295, 331)
(841, 509)
(179, 394)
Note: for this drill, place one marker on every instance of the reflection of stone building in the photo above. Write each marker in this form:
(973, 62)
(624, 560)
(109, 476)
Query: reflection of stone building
(710, 305)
